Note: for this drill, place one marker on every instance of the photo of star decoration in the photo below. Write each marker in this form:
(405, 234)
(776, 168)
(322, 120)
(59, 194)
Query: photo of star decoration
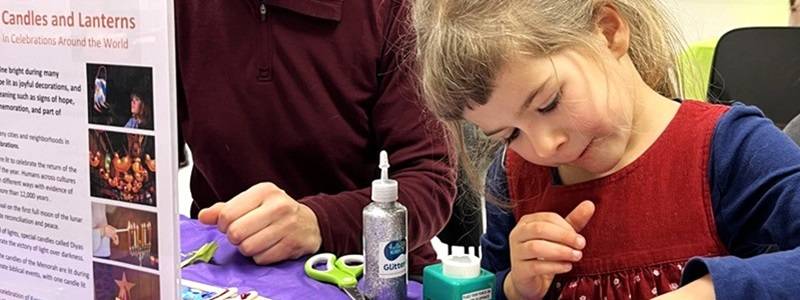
(125, 287)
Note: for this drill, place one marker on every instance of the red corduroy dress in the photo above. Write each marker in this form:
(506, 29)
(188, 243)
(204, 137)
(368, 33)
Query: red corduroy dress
(651, 216)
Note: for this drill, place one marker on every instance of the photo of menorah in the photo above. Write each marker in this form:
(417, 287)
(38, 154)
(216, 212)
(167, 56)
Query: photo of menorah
(140, 239)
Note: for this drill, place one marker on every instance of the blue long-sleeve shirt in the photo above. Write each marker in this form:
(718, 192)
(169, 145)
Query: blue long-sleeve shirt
(754, 172)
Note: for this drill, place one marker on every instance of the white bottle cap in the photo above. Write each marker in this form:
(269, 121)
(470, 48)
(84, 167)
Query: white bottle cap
(461, 266)
(384, 189)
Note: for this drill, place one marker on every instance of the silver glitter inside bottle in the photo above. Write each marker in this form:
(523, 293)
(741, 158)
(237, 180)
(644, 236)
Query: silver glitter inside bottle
(385, 251)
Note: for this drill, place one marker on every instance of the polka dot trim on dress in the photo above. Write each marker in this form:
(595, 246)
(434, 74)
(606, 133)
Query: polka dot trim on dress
(640, 283)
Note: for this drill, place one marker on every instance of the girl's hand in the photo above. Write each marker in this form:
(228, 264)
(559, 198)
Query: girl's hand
(543, 245)
(702, 288)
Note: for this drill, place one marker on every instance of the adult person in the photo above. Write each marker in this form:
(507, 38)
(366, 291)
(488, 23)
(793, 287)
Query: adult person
(285, 106)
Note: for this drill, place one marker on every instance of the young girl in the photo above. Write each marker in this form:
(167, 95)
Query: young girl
(608, 187)
(140, 113)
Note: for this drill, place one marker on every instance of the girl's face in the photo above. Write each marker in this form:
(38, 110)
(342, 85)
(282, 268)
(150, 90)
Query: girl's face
(565, 110)
(136, 105)
(794, 14)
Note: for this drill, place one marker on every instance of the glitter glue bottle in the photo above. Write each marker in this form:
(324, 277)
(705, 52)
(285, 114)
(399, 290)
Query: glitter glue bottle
(385, 252)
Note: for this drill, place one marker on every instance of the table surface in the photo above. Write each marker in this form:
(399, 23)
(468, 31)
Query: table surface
(285, 280)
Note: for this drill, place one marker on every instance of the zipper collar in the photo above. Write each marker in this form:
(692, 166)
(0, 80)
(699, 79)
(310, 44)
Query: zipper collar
(324, 9)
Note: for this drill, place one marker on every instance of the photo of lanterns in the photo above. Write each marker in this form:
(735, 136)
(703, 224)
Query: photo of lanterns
(125, 235)
(123, 167)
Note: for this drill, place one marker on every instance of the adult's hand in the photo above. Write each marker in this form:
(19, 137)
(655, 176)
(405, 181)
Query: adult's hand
(267, 224)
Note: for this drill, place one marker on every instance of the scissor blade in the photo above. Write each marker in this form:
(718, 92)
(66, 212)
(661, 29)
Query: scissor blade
(354, 293)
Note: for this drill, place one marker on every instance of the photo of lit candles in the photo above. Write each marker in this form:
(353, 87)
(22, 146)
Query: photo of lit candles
(125, 235)
(140, 239)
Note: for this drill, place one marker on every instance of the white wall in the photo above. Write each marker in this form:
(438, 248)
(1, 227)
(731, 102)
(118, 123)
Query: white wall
(709, 19)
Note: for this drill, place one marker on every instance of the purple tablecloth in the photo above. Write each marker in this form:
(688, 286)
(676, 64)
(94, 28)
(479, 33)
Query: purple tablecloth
(285, 280)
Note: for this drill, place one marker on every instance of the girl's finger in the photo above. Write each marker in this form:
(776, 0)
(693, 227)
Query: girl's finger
(541, 230)
(549, 217)
(543, 267)
(546, 250)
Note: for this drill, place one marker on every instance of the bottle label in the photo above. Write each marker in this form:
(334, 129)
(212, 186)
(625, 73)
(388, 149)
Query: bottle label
(485, 294)
(392, 260)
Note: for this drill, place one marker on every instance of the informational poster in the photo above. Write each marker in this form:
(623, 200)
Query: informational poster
(88, 187)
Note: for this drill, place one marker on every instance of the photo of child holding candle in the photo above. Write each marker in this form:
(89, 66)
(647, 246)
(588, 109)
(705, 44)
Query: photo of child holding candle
(120, 96)
(125, 235)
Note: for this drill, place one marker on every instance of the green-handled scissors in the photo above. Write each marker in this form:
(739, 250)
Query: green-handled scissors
(343, 272)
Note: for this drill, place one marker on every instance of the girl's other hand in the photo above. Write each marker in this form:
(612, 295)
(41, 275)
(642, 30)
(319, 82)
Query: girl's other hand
(702, 288)
(542, 245)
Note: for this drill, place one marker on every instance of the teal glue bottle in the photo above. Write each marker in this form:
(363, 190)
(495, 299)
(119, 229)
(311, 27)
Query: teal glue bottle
(457, 277)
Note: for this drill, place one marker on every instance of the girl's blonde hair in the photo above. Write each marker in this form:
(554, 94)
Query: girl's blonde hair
(462, 44)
